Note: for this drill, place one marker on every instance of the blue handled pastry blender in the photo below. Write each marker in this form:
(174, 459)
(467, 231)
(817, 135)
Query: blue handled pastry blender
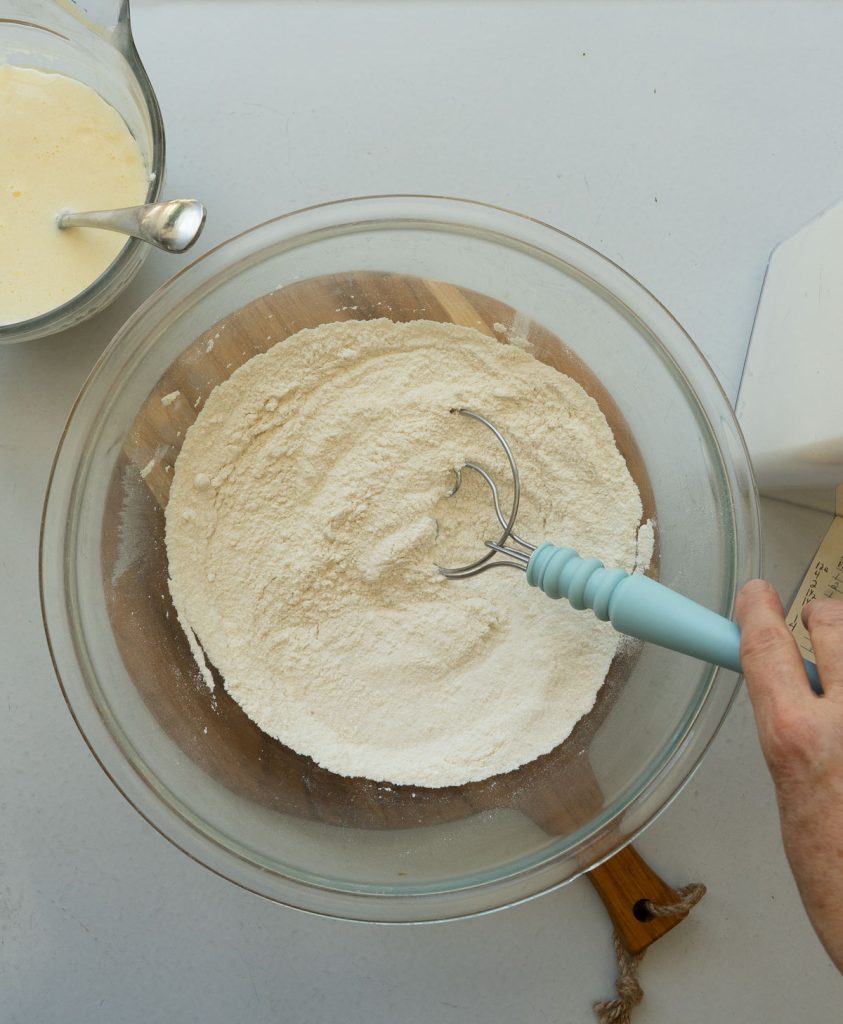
(634, 604)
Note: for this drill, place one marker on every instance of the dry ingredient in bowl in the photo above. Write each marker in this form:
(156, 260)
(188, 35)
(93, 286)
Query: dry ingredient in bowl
(62, 147)
(307, 514)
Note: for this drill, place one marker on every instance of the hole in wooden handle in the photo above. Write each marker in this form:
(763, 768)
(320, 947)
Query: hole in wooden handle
(626, 884)
(641, 911)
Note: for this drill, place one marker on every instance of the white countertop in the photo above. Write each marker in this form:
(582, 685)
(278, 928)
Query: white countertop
(682, 140)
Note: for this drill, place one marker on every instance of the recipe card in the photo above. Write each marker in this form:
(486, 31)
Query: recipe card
(823, 579)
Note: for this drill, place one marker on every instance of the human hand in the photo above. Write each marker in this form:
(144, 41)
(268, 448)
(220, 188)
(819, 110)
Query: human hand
(802, 739)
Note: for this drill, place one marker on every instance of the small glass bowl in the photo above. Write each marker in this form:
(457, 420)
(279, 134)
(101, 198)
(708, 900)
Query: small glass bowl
(49, 36)
(193, 765)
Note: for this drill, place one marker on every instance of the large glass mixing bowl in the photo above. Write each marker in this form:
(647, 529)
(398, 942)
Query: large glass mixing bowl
(193, 765)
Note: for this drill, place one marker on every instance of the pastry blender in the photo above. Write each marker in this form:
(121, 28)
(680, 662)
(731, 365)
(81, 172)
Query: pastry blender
(634, 604)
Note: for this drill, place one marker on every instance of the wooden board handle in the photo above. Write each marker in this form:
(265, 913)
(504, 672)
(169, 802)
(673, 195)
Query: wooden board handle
(623, 883)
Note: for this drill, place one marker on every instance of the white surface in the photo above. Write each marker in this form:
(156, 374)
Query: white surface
(682, 140)
(795, 434)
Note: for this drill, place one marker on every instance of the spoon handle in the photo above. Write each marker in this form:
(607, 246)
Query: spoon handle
(125, 221)
(641, 607)
(173, 225)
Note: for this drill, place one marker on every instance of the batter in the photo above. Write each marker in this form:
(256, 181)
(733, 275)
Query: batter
(308, 511)
(62, 147)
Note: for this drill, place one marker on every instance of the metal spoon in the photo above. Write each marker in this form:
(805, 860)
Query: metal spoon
(173, 226)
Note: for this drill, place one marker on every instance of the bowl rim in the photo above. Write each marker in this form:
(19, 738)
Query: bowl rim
(386, 904)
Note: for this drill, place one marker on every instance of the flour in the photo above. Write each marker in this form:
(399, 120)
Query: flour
(308, 512)
(646, 546)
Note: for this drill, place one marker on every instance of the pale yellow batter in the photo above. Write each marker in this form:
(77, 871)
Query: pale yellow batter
(62, 147)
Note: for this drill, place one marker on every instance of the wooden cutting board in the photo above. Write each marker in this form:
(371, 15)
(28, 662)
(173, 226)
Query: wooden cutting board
(558, 791)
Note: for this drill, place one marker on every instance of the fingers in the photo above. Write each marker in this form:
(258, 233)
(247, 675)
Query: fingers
(824, 621)
(770, 658)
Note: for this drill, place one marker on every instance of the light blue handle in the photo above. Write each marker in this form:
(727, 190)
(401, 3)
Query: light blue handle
(641, 607)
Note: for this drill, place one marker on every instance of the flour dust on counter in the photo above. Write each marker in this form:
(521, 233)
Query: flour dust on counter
(309, 510)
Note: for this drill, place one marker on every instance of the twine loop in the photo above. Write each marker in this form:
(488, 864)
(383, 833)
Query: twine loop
(630, 993)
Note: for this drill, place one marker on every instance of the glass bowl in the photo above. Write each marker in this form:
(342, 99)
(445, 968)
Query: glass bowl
(53, 36)
(193, 765)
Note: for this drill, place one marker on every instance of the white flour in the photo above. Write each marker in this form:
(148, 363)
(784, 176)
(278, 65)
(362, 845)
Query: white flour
(308, 512)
